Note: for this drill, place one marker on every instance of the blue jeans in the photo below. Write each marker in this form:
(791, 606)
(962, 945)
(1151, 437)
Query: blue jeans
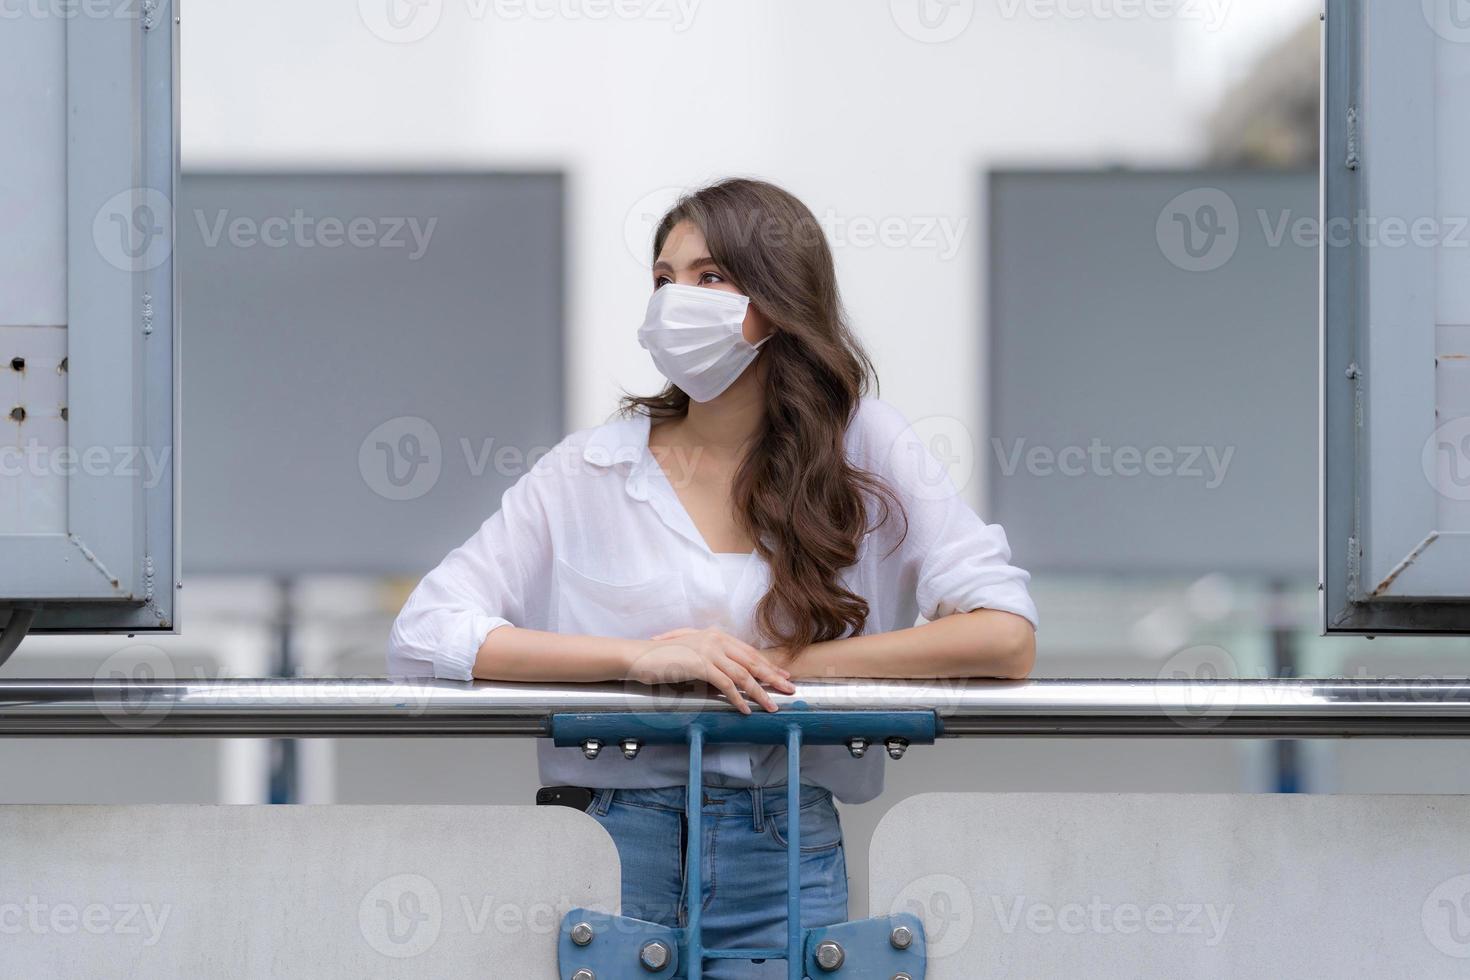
(744, 854)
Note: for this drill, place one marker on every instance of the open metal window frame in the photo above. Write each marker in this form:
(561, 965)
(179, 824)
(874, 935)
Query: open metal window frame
(115, 567)
(1386, 567)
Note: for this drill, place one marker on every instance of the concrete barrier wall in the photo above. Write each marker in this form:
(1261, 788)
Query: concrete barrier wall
(297, 891)
(1109, 885)
(1008, 884)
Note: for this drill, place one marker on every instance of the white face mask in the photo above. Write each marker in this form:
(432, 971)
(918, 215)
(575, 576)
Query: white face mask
(695, 336)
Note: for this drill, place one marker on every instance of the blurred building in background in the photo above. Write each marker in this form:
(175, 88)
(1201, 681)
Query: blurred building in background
(1269, 119)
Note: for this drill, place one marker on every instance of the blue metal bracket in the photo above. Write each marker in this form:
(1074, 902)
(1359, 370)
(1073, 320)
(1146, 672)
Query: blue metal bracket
(880, 948)
(617, 946)
(611, 947)
(756, 728)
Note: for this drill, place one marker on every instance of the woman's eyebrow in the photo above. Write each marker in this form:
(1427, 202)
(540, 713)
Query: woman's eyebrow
(662, 265)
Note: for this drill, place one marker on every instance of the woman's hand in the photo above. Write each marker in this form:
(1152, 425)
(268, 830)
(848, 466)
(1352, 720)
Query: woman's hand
(715, 657)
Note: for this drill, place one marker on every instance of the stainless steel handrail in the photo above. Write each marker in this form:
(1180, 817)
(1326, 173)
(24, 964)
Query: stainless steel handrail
(1297, 707)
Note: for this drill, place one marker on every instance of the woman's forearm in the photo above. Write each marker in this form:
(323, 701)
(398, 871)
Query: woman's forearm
(514, 654)
(731, 666)
(983, 643)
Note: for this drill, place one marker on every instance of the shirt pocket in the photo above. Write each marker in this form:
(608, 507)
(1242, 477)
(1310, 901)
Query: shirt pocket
(630, 610)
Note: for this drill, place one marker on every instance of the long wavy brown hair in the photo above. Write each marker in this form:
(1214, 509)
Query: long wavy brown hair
(806, 507)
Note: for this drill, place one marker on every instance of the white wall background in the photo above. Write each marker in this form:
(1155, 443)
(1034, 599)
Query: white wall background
(869, 116)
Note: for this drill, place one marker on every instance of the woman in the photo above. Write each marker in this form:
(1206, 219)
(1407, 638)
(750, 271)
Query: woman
(756, 521)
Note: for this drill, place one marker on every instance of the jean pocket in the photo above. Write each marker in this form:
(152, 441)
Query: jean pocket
(821, 828)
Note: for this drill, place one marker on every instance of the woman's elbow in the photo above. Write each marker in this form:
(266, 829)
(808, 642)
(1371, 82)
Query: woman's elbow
(1023, 656)
(1014, 646)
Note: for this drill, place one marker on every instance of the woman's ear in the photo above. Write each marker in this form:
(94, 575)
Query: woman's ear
(756, 326)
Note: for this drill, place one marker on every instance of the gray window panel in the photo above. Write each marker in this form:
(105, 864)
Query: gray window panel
(1108, 340)
(33, 195)
(360, 405)
(1395, 464)
(88, 533)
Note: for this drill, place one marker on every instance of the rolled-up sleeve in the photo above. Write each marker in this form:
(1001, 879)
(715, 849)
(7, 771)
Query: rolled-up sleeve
(479, 587)
(968, 567)
(959, 562)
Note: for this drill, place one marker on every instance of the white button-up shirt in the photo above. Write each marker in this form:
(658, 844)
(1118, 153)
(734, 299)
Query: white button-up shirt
(594, 540)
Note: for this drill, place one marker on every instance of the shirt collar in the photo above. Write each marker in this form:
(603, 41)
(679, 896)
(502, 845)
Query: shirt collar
(623, 440)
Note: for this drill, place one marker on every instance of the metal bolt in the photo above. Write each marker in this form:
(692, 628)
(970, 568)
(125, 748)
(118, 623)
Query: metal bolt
(829, 955)
(584, 974)
(630, 747)
(901, 937)
(896, 746)
(591, 746)
(654, 955)
(582, 933)
(857, 745)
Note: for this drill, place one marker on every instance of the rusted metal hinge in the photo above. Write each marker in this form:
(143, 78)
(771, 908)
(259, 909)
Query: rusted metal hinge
(1352, 138)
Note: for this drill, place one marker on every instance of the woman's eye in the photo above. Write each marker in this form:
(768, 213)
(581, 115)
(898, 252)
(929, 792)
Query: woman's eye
(661, 281)
(711, 277)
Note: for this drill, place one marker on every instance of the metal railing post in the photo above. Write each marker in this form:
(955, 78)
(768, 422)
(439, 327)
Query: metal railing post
(694, 862)
(793, 853)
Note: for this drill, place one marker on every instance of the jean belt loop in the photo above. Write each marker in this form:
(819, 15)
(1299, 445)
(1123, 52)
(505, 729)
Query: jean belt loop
(604, 800)
(757, 809)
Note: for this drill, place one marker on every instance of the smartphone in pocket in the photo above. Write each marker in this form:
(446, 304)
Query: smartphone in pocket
(573, 796)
